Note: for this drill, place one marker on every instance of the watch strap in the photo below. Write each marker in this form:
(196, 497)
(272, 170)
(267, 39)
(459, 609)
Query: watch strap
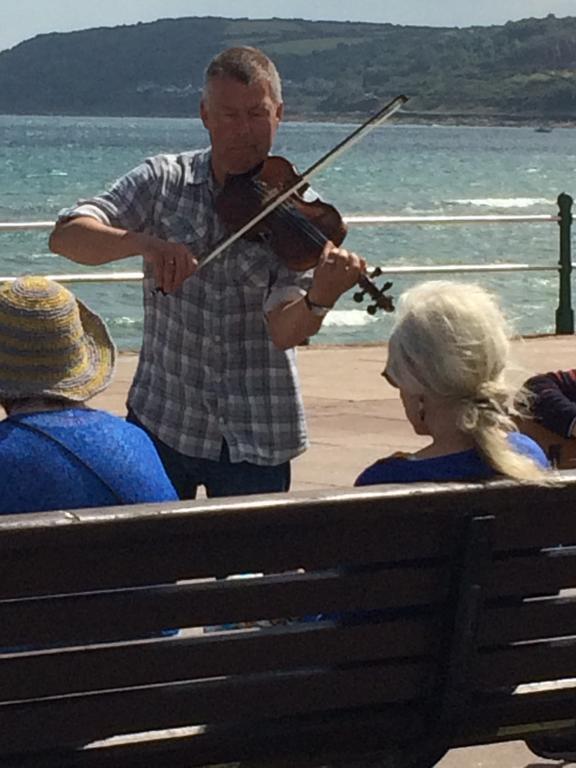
(317, 309)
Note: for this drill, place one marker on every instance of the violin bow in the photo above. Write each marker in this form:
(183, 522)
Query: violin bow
(377, 119)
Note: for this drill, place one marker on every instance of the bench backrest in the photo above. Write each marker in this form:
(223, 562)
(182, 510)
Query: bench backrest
(366, 618)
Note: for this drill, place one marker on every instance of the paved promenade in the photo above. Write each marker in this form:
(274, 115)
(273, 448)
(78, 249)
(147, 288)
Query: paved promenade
(355, 417)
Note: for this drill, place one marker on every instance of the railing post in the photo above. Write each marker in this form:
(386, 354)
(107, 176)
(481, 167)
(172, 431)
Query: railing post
(564, 313)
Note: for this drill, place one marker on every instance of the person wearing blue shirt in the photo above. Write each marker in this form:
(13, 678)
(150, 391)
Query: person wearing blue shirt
(55, 452)
(448, 356)
(463, 465)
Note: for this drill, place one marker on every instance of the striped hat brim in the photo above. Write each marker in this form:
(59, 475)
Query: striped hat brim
(51, 344)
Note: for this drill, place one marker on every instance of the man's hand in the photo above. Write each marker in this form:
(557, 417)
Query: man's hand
(337, 271)
(86, 240)
(172, 262)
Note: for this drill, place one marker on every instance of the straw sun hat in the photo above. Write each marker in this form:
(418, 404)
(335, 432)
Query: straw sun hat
(51, 344)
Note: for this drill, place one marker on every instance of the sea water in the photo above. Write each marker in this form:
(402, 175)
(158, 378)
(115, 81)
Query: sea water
(47, 163)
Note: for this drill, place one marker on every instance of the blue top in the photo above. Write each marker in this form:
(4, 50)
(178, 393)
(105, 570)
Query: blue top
(37, 474)
(466, 465)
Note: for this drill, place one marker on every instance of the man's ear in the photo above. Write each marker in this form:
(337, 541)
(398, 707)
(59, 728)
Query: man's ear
(280, 111)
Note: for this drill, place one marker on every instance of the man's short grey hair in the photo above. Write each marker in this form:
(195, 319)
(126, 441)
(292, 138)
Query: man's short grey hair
(247, 65)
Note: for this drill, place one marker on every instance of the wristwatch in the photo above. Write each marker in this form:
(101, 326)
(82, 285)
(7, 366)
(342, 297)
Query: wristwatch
(317, 309)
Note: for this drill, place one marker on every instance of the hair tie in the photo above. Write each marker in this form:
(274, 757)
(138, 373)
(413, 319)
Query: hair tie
(489, 404)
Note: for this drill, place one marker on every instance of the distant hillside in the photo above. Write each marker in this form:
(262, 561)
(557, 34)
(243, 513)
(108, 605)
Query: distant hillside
(521, 70)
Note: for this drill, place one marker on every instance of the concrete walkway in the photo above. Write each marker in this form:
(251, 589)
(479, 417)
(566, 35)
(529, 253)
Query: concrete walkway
(354, 415)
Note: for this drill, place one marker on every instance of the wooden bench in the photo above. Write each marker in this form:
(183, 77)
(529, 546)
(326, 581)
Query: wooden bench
(446, 572)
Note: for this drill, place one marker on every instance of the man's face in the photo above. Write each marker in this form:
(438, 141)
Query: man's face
(242, 121)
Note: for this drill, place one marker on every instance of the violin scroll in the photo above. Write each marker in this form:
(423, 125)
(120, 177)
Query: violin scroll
(368, 287)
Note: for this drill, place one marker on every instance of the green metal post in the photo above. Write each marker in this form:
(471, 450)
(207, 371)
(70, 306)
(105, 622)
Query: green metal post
(565, 313)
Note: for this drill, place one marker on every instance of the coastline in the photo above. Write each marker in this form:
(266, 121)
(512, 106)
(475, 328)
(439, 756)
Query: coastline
(436, 119)
(432, 119)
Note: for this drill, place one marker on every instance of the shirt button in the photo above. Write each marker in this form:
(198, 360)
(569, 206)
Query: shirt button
(220, 419)
(217, 338)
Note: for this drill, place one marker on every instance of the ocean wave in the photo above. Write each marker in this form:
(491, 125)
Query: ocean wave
(124, 321)
(502, 202)
(44, 255)
(349, 318)
(52, 172)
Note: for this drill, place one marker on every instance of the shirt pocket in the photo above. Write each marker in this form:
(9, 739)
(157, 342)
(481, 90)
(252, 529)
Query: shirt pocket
(251, 265)
(178, 228)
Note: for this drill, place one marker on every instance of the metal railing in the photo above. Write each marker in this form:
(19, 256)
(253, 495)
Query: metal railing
(564, 266)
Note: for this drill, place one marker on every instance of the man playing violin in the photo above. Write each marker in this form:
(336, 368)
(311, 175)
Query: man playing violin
(216, 386)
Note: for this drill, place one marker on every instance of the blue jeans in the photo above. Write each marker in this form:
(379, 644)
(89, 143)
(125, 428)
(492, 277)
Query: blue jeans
(220, 478)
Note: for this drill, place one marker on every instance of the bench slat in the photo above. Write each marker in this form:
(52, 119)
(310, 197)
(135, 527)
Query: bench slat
(520, 514)
(133, 613)
(124, 560)
(537, 573)
(279, 648)
(324, 736)
(491, 719)
(104, 549)
(535, 662)
(51, 722)
(552, 617)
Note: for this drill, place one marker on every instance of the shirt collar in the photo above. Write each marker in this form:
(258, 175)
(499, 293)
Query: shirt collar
(201, 169)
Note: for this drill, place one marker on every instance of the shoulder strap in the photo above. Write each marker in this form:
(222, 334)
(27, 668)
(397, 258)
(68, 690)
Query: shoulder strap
(38, 431)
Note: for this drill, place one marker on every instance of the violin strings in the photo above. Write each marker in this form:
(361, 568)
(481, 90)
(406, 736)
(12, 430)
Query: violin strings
(293, 217)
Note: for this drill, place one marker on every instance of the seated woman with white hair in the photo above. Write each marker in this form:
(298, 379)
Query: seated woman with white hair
(448, 356)
(55, 452)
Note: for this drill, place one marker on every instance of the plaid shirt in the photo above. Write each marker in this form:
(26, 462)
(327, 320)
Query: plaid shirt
(208, 369)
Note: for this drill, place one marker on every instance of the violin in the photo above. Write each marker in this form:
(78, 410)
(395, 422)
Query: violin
(267, 204)
(296, 230)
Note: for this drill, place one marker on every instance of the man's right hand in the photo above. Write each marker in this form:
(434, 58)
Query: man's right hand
(172, 262)
(86, 240)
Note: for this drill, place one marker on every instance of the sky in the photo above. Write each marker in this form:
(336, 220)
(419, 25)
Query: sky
(23, 19)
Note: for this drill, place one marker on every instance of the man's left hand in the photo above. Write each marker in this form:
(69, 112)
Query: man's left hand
(336, 272)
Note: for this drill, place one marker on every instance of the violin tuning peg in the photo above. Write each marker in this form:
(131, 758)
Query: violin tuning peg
(389, 304)
(381, 300)
(376, 272)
